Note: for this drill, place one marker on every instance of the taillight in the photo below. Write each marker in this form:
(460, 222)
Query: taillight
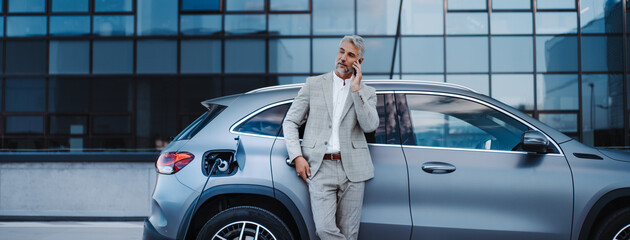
(171, 162)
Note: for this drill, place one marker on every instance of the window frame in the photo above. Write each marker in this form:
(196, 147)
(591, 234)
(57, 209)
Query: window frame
(406, 129)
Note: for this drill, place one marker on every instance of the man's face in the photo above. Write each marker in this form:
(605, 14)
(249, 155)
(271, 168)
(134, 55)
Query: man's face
(346, 56)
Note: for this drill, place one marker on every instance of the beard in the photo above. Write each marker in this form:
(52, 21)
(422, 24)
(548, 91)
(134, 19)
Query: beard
(341, 70)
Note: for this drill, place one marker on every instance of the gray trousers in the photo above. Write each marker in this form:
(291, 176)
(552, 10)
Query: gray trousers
(336, 202)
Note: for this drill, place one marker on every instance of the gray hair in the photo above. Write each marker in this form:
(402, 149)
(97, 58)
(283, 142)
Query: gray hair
(357, 41)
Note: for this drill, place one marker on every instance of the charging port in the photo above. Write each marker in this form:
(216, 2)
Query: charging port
(226, 164)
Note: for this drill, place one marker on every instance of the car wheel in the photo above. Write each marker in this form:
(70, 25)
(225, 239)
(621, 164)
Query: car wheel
(245, 222)
(615, 226)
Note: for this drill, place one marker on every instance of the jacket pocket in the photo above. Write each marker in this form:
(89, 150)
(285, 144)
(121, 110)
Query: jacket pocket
(308, 143)
(359, 144)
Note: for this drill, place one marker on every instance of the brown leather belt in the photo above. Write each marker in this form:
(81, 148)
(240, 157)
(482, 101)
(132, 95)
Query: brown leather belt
(332, 156)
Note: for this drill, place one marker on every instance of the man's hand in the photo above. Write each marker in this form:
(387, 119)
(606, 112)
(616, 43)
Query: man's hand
(302, 168)
(356, 80)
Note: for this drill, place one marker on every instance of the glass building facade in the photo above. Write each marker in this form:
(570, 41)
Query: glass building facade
(111, 75)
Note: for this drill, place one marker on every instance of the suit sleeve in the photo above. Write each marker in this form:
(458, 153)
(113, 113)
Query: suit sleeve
(365, 108)
(292, 120)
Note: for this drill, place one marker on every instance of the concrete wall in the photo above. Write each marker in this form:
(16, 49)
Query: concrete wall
(76, 189)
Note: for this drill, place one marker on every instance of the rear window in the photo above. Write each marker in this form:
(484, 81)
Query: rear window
(213, 111)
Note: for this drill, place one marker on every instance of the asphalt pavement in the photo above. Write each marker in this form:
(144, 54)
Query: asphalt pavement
(71, 230)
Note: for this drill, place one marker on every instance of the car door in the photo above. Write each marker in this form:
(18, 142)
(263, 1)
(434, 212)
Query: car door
(469, 180)
(386, 212)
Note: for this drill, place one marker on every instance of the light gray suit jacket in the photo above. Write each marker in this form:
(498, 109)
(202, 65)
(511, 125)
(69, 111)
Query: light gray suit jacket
(358, 116)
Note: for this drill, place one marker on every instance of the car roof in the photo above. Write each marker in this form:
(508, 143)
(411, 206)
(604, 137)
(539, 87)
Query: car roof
(381, 85)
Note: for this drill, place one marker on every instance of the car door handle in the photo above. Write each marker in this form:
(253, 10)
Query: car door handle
(438, 167)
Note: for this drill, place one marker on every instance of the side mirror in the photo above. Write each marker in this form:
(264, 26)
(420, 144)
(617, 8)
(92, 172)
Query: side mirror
(534, 141)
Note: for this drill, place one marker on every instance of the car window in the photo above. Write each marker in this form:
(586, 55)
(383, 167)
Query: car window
(387, 131)
(444, 121)
(267, 122)
(213, 111)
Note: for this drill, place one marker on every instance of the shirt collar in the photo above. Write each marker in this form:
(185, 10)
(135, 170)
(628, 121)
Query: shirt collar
(339, 82)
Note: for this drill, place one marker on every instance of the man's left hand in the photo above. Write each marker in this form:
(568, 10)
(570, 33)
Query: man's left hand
(356, 80)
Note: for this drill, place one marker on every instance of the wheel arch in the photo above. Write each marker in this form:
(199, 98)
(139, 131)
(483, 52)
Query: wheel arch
(613, 200)
(219, 198)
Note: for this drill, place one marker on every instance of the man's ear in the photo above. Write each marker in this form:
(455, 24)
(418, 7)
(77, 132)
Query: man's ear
(361, 60)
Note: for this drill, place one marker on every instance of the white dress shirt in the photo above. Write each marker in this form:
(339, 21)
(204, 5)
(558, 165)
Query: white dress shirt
(340, 93)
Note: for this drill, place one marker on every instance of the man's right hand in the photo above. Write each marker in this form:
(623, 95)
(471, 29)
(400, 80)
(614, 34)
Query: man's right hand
(302, 168)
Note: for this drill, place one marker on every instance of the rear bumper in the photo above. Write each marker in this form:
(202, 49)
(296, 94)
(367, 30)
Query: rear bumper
(150, 233)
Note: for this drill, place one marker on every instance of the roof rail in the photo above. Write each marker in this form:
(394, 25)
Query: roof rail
(384, 81)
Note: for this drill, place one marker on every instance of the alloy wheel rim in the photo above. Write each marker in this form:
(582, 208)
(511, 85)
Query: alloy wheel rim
(244, 230)
(623, 234)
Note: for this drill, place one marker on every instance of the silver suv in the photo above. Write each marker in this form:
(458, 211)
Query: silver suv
(449, 164)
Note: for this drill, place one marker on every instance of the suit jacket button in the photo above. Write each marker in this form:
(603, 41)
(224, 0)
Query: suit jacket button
(329, 126)
(325, 143)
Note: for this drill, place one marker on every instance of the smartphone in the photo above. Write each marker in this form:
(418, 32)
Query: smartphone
(354, 70)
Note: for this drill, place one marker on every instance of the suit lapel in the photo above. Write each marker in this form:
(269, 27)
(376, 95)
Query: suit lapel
(347, 105)
(327, 88)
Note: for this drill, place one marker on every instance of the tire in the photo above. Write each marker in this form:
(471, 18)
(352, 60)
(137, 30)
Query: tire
(228, 224)
(615, 226)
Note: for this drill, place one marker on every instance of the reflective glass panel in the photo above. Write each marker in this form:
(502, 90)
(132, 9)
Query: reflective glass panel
(333, 17)
(25, 125)
(289, 55)
(556, 54)
(68, 94)
(24, 143)
(289, 5)
(200, 56)
(555, 4)
(441, 121)
(245, 5)
(377, 17)
(565, 123)
(112, 56)
(466, 4)
(467, 54)
(290, 24)
(245, 23)
(112, 95)
(1, 6)
(511, 23)
(556, 22)
(423, 77)
(234, 85)
(26, 56)
(245, 56)
(27, 6)
(156, 56)
(512, 54)
(516, 90)
(428, 12)
(26, 26)
(69, 57)
(477, 82)
(155, 120)
(601, 16)
(600, 53)
(113, 25)
(111, 125)
(1, 25)
(602, 109)
(201, 5)
(425, 54)
(266, 123)
(557, 92)
(200, 24)
(69, 25)
(74, 144)
(117, 5)
(25, 95)
(291, 79)
(110, 142)
(324, 54)
(195, 90)
(511, 4)
(70, 5)
(467, 23)
(157, 17)
(378, 55)
(68, 125)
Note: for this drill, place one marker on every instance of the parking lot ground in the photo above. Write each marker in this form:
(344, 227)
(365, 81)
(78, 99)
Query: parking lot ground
(70, 230)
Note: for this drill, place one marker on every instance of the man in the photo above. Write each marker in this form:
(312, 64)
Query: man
(333, 157)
